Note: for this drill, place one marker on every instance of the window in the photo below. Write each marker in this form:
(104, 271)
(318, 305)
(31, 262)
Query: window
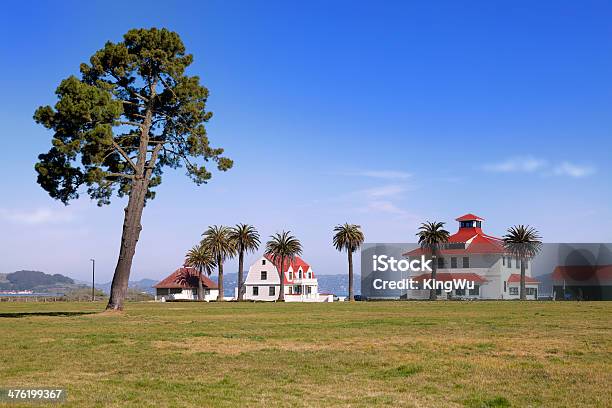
(300, 274)
(476, 290)
(263, 261)
(264, 275)
(513, 290)
(466, 261)
(531, 291)
(308, 290)
(255, 290)
(460, 292)
(518, 263)
(291, 290)
(271, 291)
(440, 263)
(290, 275)
(453, 262)
(309, 275)
(503, 260)
(505, 287)
(509, 262)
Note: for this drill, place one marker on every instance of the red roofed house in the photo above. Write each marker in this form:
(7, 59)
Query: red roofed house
(473, 255)
(263, 283)
(584, 282)
(174, 288)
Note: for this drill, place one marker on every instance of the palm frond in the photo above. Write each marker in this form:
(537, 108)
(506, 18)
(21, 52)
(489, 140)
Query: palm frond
(522, 241)
(217, 240)
(245, 237)
(201, 258)
(348, 237)
(283, 246)
(432, 235)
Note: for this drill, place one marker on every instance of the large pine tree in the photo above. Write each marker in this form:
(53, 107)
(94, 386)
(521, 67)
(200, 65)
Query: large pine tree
(132, 112)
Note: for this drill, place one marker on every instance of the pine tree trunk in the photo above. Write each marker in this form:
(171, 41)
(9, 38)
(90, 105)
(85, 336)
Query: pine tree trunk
(523, 294)
(129, 239)
(200, 287)
(434, 271)
(281, 275)
(240, 276)
(350, 270)
(220, 283)
(133, 213)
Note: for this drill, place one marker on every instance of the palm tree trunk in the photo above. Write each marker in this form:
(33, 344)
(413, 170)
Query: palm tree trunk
(200, 287)
(350, 271)
(281, 275)
(523, 291)
(220, 283)
(240, 275)
(434, 270)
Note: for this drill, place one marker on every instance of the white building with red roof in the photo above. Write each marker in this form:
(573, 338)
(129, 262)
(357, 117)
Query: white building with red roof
(263, 281)
(475, 256)
(183, 284)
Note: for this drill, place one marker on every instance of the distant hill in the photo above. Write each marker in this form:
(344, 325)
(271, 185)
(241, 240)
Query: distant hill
(35, 280)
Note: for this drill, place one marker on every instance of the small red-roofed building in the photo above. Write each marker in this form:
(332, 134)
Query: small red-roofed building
(583, 282)
(182, 284)
(472, 255)
(263, 281)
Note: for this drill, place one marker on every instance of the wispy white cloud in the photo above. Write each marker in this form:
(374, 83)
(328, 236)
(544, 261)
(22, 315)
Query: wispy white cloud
(530, 164)
(525, 164)
(382, 174)
(384, 191)
(36, 216)
(573, 170)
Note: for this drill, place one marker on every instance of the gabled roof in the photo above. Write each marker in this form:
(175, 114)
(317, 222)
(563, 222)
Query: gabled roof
(469, 217)
(171, 281)
(583, 275)
(444, 277)
(295, 264)
(516, 278)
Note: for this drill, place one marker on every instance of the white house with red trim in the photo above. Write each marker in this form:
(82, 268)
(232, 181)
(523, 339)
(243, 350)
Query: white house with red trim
(301, 285)
(472, 255)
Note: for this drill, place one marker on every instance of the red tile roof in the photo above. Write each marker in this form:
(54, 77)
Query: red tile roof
(171, 281)
(476, 242)
(516, 278)
(443, 277)
(469, 217)
(583, 275)
(295, 265)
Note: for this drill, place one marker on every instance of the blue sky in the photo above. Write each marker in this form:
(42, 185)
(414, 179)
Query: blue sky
(383, 114)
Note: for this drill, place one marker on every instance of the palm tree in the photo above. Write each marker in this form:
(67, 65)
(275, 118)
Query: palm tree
(217, 240)
(283, 247)
(348, 237)
(523, 242)
(200, 258)
(246, 239)
(431, 236)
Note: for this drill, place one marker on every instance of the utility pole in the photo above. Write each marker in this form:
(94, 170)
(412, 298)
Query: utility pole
(93, 279)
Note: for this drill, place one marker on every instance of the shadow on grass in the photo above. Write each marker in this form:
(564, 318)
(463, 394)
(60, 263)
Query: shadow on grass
(30, 314)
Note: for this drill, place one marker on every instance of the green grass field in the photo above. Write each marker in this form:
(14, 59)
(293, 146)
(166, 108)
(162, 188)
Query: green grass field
(475, 354)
